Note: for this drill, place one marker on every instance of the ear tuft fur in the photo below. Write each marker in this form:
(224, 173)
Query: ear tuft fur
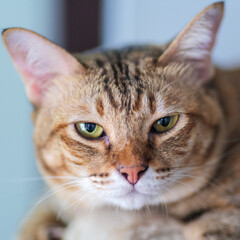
(38, 61)
(194, 44)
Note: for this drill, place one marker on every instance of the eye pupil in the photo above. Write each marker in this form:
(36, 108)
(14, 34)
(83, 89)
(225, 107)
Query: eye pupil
(164, 121)
(89, 130)
(90, 127)
(164, 124)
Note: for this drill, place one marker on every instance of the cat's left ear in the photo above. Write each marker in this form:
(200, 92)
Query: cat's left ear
(38, 61)
(194, 44)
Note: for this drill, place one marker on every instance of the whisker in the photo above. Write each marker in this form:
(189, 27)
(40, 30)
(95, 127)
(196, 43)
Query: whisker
(64, 204)
(90, 214)
(78, 201)
(40, 178)
(60, 188)
(186, 185)
(163, 204)
(197, 178)
(212, 163)
(173, 194)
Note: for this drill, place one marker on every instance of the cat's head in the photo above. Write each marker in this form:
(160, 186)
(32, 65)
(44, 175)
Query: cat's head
(129, 127)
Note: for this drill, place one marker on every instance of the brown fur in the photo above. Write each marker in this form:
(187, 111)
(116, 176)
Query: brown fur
(126, 91)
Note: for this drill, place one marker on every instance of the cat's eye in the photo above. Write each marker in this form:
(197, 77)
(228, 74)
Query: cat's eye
(164, 124)
(90, 130)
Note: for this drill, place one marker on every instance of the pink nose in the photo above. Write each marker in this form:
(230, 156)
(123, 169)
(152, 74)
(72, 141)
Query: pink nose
(133, 174)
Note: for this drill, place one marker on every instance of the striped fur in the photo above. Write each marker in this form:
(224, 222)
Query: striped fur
(192, 169)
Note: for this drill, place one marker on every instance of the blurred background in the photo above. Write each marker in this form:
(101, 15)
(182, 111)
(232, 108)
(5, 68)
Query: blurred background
(78, 25)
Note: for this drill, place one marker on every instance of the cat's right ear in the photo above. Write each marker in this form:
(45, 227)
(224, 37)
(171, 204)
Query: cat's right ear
(38, 61)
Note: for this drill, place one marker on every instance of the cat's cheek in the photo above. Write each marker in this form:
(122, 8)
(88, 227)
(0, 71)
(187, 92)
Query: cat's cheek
(148, 184)
(50, 160)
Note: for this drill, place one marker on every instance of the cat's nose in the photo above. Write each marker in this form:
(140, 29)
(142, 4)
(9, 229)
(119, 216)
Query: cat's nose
(132, 174)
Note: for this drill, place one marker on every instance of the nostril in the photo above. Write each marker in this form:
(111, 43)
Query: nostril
(124, 175)
(140, 173)
(133, 173)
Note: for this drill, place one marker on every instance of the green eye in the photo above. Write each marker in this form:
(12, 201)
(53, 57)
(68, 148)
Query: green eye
(90, 130)
(164, 124)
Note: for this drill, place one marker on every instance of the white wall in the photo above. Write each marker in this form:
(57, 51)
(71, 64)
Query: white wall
(157, 21)
(17, 161)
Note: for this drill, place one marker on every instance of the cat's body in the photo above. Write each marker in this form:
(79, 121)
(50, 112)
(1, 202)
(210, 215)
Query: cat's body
(222, 190)
(137, 128)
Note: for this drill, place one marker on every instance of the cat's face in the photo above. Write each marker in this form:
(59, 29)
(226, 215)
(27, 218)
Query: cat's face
(131, 129)
(178, 161)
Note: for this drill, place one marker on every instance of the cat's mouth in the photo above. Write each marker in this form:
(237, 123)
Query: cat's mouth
(135, 193)
(133, 199)
(132, 193)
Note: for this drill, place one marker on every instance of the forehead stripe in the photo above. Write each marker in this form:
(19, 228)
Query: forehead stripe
(100, 107)
(112, 100)
(152, 103)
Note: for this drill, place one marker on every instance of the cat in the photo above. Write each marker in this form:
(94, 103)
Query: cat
(139, 128)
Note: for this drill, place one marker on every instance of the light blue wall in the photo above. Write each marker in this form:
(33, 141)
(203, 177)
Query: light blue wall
(158, 21)
(17, 193)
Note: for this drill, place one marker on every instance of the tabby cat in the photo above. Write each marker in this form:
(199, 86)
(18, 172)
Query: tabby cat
(139, 129)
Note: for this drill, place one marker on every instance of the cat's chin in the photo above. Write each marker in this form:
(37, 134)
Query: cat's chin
(132, 200)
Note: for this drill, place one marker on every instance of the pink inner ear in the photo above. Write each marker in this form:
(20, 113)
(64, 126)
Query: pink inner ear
(36, 91)
(38, 61)
(36, 84)
(194, 44)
